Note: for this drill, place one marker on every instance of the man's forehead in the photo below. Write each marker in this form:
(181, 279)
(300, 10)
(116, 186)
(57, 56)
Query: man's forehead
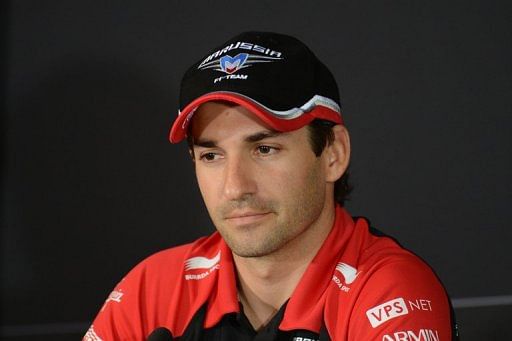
(206, 141)
(213, 108)
(218, 121)
(221, 115)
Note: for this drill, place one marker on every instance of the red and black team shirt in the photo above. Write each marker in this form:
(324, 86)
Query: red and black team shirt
(359, 286)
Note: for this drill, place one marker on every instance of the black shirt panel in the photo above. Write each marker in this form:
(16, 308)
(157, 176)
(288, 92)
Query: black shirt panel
(194, 331)
(236, 327)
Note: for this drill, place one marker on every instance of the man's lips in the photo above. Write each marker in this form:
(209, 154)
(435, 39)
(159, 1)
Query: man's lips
(246, 217)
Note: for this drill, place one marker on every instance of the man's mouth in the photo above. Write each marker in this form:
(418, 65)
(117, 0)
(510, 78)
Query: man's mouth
(247, 217)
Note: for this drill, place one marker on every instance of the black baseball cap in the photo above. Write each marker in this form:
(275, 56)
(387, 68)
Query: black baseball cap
(276, 76)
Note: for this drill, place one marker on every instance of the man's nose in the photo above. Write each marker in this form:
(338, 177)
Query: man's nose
(238, 178)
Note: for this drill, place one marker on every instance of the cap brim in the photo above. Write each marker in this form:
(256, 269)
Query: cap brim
(180, 126)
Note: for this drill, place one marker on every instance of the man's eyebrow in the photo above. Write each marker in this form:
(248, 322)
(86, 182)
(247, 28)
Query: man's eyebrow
(262, 135)
(251, 138)
(205, 143)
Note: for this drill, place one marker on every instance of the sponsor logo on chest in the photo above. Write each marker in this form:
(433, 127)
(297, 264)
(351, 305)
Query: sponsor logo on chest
(197, 268)
(348, 276)
(115, 296)
(395, 308)
(91, 335)
(386, 311)
(411, 335)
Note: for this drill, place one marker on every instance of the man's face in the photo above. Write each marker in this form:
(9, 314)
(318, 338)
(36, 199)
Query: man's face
(262, 189)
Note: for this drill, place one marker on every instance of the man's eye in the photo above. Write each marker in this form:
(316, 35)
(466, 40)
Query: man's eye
(208, 157)
(266, 150)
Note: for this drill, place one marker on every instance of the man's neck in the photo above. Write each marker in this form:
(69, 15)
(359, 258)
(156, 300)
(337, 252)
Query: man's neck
(266, 283)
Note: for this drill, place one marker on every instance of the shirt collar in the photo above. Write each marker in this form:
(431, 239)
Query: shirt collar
(305, 307)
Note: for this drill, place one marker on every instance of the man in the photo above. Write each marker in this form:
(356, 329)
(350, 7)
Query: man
(262, 118)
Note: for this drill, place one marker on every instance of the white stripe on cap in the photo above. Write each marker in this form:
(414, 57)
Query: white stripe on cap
(296, 112)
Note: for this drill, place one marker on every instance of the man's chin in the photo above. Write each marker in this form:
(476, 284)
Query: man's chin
(250, 253)
(252, 247)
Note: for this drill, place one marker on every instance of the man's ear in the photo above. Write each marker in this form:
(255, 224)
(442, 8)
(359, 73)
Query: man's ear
(192, 154)
(190, 143)
(337, 154)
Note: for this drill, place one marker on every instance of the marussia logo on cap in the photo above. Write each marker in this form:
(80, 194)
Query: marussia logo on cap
(231, 65)
(214, 57)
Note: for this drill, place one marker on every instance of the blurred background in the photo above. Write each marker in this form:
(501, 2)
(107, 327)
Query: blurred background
(91, 186)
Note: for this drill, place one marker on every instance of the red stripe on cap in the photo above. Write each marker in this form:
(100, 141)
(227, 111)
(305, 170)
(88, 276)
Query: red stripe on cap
(180, 125)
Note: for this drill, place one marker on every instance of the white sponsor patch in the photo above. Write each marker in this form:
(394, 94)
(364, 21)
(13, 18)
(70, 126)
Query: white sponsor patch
(349, 276)
(349, 272)
(409, 335)
(386, 311)
(91, 335)
(201, 262)
(421, 304)
(115, 296)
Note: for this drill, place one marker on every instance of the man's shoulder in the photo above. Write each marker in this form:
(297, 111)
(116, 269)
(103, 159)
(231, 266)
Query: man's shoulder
(384, 252)
(158, 288)
(387, 290)
(388, 271)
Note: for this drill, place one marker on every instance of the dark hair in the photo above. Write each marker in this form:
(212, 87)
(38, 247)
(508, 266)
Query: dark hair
(320, 136)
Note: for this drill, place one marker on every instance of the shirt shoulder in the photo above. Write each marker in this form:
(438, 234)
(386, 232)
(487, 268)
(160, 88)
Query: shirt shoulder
(398, 297)
(139, 302)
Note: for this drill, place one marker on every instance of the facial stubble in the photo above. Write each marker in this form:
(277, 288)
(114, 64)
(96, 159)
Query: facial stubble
(288, 219)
